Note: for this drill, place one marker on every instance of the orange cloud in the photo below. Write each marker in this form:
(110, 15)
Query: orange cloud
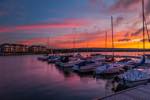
(122, 39)
(70, 40)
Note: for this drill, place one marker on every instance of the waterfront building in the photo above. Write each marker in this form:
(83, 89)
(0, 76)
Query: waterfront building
(38, 49)
(13, 48)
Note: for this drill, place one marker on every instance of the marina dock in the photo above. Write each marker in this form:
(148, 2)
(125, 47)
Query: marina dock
(141, 92)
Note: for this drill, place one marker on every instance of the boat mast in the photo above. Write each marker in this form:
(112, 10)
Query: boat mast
(106, 40)
(112, 37)
(147, 31)
(74, 42)
(106, 43)
(86, 42)
(143, 27)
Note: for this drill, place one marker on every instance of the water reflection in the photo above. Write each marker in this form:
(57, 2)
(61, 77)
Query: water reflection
(26, 78)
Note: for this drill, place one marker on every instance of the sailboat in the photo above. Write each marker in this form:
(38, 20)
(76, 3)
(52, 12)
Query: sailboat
(89, 65)
(117, 67)
(52, 58)
(107, 59)
(113, 67)
(135, 76)
(69, 62)
(46, 56)
(147, 55)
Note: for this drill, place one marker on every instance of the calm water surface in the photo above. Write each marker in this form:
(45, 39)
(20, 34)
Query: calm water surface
(26, 78)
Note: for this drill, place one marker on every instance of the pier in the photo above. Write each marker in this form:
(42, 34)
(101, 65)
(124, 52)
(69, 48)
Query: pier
(141, 92)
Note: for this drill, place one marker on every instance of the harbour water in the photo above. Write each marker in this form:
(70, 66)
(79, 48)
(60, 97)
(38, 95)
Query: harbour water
(26, 78)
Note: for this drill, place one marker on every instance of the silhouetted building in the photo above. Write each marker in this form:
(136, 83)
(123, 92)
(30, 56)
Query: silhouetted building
(38, 49)
(13, 48)
(6, 48)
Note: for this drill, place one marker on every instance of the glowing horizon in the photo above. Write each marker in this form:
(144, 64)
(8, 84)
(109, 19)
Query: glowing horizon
(75, 23)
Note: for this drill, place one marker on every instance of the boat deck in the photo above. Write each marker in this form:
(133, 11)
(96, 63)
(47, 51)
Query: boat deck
(137, 93)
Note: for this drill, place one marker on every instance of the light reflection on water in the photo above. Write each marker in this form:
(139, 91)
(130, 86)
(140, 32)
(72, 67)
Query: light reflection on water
(26, 78)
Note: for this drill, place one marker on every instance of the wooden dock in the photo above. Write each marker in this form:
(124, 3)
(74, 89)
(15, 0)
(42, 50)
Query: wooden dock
(137, 93)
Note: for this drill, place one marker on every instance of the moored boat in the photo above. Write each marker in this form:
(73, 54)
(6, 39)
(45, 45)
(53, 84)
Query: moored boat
(132, 78)
(54, 59)
(86, 66)
(119, 67)
(43, 58)
(68, 62)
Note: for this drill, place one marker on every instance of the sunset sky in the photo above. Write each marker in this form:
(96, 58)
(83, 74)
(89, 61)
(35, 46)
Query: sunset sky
(60, 23)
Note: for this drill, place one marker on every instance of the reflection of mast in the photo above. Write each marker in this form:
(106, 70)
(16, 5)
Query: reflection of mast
(112, 37)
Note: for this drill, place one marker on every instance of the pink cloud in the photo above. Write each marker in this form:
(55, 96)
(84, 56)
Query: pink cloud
(5, 29)
(66, 41)
(69, 23)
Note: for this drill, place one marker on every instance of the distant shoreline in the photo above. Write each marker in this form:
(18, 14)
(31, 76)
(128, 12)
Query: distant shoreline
(96, 50)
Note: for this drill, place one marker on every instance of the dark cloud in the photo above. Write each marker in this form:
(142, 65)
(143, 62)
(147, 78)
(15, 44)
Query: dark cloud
(71, 41)
(124, 40)
(137, 32)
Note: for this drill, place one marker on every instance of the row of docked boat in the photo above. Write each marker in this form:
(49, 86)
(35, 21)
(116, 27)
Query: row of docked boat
(124, 71)
(128, 72)
(99, 65)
